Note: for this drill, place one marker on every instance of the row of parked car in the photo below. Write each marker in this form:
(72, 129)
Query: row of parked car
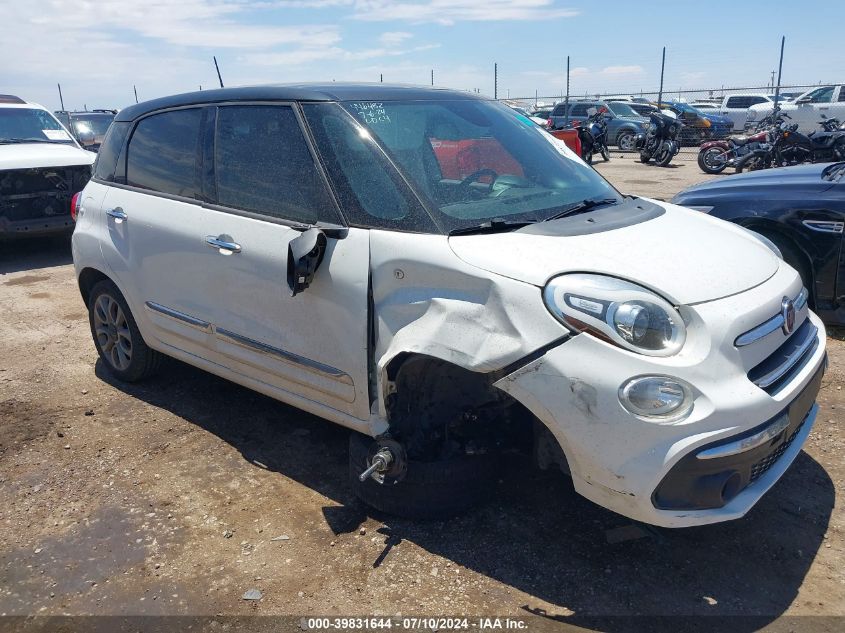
(703, 120)
(626, 119)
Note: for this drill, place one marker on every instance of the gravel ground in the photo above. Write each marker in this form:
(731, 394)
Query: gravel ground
(178, 495)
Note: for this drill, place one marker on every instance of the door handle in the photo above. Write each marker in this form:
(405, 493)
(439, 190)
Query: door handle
(118, 214)
(223, 243)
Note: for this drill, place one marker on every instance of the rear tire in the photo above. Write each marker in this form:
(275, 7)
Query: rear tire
(117, 337)
(588, 157)
(711, 167)
(430, 490)
(604, 153)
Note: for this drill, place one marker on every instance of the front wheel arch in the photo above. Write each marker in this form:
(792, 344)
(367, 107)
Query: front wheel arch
(792, 253)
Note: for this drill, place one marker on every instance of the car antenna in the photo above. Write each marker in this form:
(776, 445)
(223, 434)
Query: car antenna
(214, 57)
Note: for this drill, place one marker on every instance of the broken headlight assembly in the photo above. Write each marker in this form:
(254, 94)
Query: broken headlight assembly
(617, 311)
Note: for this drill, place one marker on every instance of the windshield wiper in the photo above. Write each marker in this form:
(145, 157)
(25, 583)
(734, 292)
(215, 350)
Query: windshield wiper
(581, 207)
(495, 225)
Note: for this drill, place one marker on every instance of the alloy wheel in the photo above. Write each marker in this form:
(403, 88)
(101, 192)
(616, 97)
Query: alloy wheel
(112, 331)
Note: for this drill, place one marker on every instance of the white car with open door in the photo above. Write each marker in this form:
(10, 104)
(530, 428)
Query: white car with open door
(450, 282)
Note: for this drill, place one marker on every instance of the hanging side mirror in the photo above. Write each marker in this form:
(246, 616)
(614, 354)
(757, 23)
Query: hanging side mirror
(305, 254)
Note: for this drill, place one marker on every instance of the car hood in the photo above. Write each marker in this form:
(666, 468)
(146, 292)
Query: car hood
(718, 118)
(801, 177)
(683, 255)
(33, 155)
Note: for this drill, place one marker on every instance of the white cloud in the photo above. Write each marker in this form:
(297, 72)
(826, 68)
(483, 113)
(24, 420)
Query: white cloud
(305, 56)
(451, 11)
(393, 38)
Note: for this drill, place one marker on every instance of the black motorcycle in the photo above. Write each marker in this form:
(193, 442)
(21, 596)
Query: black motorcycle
(660, 141)
(593, 136)
(824, 146)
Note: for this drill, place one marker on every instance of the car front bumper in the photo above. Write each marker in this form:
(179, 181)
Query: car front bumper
(651, 472)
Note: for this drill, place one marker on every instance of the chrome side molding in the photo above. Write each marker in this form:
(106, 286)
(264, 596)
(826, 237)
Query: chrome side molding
(824, 226)
(289, 357)
(187, 319)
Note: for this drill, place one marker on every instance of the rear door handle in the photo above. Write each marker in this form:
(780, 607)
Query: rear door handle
(224, 243)
(118, 214)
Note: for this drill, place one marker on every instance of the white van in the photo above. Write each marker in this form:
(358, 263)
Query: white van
(450, 282)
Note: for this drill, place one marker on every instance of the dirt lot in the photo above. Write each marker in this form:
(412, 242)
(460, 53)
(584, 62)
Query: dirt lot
(167, 498)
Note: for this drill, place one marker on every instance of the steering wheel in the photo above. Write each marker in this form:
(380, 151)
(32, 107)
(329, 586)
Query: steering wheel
(466, 182)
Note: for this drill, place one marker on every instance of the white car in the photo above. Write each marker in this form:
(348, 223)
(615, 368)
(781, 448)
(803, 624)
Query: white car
(807, 110)
(41, 166)
(451, 283)
(735, 106)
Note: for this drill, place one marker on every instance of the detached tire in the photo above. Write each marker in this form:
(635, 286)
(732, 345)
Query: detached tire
(430, 490)
(117, 337)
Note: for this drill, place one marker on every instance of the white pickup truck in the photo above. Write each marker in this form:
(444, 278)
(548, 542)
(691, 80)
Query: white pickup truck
(735, 106)
(807, 109)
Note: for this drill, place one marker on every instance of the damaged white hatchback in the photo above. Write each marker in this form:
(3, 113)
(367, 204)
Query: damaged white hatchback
(443, 277)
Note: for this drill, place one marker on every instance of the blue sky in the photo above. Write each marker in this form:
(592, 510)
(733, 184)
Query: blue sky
(99, 50)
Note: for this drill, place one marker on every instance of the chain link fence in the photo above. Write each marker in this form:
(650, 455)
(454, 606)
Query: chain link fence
(707, 113)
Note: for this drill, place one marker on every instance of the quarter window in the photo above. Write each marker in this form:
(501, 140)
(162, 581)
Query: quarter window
(104, 168)
(162, 153)
(263, 164)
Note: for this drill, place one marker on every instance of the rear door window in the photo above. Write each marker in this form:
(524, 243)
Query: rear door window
(162, 153)
(263, 164)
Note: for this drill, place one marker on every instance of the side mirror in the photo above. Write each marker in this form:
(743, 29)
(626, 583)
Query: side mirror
(803, 101)
(305, 254)
(591, 111)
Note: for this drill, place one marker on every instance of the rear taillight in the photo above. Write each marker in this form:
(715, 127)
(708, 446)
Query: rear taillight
(74, 205)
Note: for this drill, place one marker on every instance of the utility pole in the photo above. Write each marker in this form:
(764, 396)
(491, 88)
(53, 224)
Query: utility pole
(381, 78)
(566, 103)
(495, 80)
(219, 78)
(432, 76)
(662, 68)
(61, 99)
(773, 78)
(780, 69)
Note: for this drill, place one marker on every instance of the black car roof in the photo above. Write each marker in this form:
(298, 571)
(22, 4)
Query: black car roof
(296, 92)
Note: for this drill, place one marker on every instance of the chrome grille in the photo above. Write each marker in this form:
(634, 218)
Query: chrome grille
(787, 360)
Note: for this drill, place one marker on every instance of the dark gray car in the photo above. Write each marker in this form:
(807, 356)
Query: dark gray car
(89, 128)
(623, 123)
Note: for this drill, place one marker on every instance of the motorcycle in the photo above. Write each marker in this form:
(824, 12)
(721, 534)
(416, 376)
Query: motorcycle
(824, 146)
(660, 141)
(593, 135)
(715, 156)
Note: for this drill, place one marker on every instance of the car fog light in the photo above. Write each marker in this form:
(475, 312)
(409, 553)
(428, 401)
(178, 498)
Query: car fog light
(657, 399)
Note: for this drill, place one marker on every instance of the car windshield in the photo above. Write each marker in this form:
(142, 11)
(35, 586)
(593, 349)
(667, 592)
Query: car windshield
(473, 161)
(31, 125)
(97, 124)
(622, 109)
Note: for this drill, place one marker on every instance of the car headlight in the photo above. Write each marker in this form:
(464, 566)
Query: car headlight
(751, 115)
(618, 311)
(657, 399)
